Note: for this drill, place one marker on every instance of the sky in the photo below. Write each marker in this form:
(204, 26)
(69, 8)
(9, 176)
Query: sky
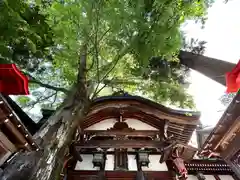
(222, 33)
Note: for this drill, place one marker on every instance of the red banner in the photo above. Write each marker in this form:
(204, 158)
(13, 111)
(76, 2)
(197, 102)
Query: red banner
(233, 79)
(12, 81)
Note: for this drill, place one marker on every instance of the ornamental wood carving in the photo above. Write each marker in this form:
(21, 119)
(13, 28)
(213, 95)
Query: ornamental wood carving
(166, 153)
(180, 168)
(136, 133)
(121, 126)
(121, 144)
(178, 162)
(169, 122)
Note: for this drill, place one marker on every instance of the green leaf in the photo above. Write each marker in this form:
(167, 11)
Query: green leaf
(23, 100)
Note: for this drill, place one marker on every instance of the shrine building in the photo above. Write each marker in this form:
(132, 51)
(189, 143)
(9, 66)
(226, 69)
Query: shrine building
(128, 137)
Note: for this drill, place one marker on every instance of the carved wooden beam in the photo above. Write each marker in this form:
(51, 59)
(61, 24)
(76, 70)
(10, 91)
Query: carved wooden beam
(140, 133)
(179, 130)
(121, 144)
(166, 153)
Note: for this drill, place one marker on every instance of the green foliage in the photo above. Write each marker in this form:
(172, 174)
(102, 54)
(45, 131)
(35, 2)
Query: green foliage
(24, 34)
(23, 100)
(121, 36)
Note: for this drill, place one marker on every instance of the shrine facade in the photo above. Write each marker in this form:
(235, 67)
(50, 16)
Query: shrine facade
(129, 137)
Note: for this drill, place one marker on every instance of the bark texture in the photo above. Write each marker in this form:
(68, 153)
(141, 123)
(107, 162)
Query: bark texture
(21, 166)
(210, 67)
(55, 136)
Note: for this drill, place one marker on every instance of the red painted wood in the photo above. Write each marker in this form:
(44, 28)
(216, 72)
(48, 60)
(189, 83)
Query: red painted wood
(118, 175)
(12, 81)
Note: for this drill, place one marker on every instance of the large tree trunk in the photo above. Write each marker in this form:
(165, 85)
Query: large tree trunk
(54, 137)
(210, 67)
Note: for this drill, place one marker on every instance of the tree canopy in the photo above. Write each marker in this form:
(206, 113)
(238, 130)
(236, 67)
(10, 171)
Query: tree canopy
(122, 38)
(25, 35)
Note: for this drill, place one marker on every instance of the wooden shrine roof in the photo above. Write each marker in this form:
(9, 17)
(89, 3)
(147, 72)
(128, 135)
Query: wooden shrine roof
(9, 117)
(181, 124)
(31, 126)
(226, 129)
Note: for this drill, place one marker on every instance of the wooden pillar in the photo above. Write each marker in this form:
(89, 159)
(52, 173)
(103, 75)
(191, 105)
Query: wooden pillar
(139, 167)
(104, 163)
(140, 175)
(101, 175)
(171, 170)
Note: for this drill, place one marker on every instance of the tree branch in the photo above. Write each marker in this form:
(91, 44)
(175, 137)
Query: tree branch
(115, 61)
(98, 41)
(122, 53)
(98, 91)
(54, 100)
(80, 88)
(96, 51)
(81, 77)
(40, 99)
(35, 81)
(101, 38)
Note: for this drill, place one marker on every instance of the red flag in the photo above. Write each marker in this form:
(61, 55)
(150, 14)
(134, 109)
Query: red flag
(233, 79)
(12, 81)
